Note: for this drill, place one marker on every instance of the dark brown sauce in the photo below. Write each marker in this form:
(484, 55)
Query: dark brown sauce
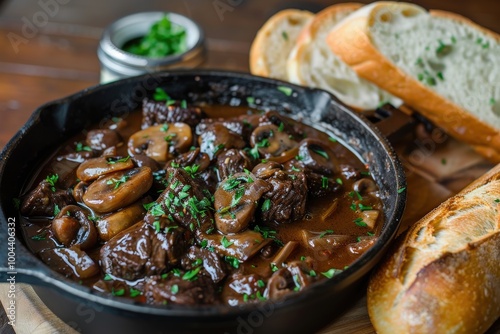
(353, 239)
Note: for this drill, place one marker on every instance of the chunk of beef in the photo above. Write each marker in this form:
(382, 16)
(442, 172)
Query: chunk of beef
(232, 161)
(286, 201)
(71, 262)
(290, 127)
(143, 250)
(320, 186)
(177, 289)
(240, 127)
(43, 200)
(242, 289)
(156, 113)
(217, 137)
(102, 139)
(183, 201)
(213, 265)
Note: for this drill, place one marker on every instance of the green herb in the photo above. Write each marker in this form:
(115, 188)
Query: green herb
(80, 147)
(108, 277)
(333, 140)
(440, 75)
(260, 297)
(431, 81)
(192, 170)
(176, 272)
(16, 202)
(191, 275)
(296, 281)
(234, 262)
(164, 127)
(184, 104)
(443, 49)
(245, 297)
(156, 225)
(299, 157)
(371, 234)
(261, 284)
(266, 205)
(218, 148)
(364, 207)
(285, 90)
(330, 273)
(40, 236)
(52, 180)
(56, 210)
(312, 273)
(443, 161)
(492, 101)
(170, 136)
(420, 62)
(353, 206)
(497, 200)
(324, 182)
(134, 293)
(400, 190)
(479, 40)
(161, 95)
(118, 182)
(250, 100)
(238, 195)
(254, 151)
(266, 232)
(226, 243)
(357, 194)
(359, 221)
(164, 38)
(281, 127)
(116, 119)
(174, 289)
(284, 34)
(420, 77)
(325, 233)
(112, 161)
(365, 173)
(302, 258)
(156, 210)
(339, 181)
(120, 292)
(274, 268)
(320, 152)
(453, 39)
(486, 45)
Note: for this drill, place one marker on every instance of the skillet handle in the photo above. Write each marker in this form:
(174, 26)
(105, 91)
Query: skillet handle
(394, 123)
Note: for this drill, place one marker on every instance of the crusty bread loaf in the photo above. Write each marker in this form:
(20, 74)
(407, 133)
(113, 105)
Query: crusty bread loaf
(441, 64)
(274, 41)
(443, 275)
(312, 63)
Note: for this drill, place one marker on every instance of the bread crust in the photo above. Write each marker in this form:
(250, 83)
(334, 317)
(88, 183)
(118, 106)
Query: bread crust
(443, 275)
(351, 41)
(258, 64)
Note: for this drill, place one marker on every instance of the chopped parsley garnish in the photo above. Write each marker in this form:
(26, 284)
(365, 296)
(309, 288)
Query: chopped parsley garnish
(184, 104)
(112, 161)
(299, 157)
(359, 221)
(296, 281)
(170, 137)
(333, 140)
(260, 296)
(324, 182)
(157, 210)
(400, 190)
(226, 243)
(364, 207)
(219, 148)
(497, 200)
(234, 262)
(443, 161)
(339, 181)
(156, 225)
(254, 151)
(118, 182)
(161, 95)
(261, 284)
(357, 194)
(285, 90)
(330, 273)
(440, 75)
(164, 127)
(191, 275)
(274, 268)
(56, 210)
(192, 170)
(312, 273)
(266, 205)
(134, 293)
(80, 147)
(231, 183)
(443, 49)
(107, 277)
(171, 228)
(320, 152)
(492, 101)
(119, 292)
(250, 100)
(325, 233)
(284, 34)
(174, 289)
(295, 169)
(302, 258)
(40, 236)
(267, 232)
(52, 180)
(281, 127)
(371, 234)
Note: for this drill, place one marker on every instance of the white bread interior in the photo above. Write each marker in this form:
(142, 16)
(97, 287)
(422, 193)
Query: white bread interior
(441, 64)
(312, 63)
(274, 42)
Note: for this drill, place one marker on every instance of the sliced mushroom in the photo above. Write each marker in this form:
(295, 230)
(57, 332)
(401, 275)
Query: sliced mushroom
(117, 190)
(273, 143)
(239, 285)
(110, 225)
(79, 190)
(72, 227)
(102, 139)
(161, 142)
(216, 137)
(71, 262)
(235, 201)
(93, 168)
(365, 186)
(318, 157)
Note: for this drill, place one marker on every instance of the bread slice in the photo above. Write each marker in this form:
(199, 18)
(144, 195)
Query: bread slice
(441, 64)
(312, 63)
(274, 41)
(443, 275)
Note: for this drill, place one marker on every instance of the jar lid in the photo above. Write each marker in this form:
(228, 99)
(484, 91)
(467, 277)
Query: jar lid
(134, 26)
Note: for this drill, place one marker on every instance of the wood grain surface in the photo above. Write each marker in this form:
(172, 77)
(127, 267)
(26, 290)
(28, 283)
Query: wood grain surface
(59, 58)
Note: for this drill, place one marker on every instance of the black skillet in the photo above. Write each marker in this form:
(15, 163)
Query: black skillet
(94, 312)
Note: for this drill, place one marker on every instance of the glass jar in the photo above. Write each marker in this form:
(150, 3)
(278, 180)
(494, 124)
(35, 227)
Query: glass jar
(117, 64)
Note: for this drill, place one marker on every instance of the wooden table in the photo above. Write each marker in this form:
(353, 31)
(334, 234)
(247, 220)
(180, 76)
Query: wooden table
(56, 56)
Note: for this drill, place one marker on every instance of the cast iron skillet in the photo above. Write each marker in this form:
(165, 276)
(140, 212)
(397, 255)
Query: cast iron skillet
(94, 312)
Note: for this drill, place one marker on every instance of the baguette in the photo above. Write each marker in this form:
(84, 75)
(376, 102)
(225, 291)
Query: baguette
(311, 63)
(444, 275)
(441, 64)
(274, 41)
